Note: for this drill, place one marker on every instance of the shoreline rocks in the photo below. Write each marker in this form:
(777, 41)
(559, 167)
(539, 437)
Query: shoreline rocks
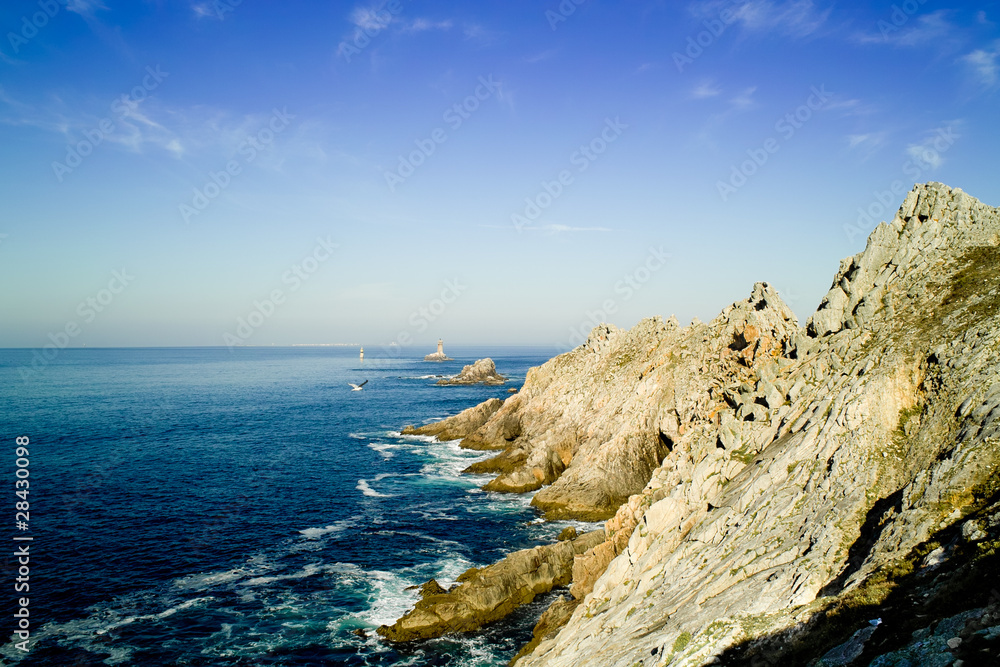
(460, 425)
(484, 595)
(483, 371)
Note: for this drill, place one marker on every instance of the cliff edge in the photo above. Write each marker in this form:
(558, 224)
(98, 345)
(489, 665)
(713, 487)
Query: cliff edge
(826, 495)
(777, 494)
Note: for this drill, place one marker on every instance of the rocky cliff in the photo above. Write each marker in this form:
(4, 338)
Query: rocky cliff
(778, 494)
(830, 494)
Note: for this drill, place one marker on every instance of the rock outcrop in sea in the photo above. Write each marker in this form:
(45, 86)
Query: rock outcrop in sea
(460, 425)
(777, 494)
(483, 371)
(490, 593)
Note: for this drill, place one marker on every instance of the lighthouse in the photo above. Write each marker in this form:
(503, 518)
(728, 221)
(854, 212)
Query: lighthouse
(362, 354)
(439, 355)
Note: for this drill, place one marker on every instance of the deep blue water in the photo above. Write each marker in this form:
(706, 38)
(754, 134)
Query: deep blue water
(245, 507)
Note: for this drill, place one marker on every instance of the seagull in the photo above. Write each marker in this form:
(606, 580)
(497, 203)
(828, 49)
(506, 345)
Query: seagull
(357, 387)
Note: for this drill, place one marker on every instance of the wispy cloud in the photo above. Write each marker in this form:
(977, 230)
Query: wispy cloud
(149, 127)
(849, 107)
(799, 18)
(927, 30)
(866, 143)
(727, 108)
(744, 100)
(706, 89)
(929, 152)
(567, 229)
(85, 8)
(423, 25)
(792, 18)
(539, 57)
(475, 32)
(985, 65)
(371, 18)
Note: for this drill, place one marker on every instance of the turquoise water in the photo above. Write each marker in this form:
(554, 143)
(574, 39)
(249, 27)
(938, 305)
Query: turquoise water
(245, 507)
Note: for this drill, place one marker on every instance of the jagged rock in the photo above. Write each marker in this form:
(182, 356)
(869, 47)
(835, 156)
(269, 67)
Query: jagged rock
(567, 533)
(873, 442)
(488, 594)
(483, 371)
(762, 478)
(432, 587)
(460, 425)
(593, 424)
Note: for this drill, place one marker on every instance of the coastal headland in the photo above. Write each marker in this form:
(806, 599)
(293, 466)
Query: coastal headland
(774, 493)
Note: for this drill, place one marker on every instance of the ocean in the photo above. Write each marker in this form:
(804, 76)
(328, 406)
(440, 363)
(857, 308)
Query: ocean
(206, 506)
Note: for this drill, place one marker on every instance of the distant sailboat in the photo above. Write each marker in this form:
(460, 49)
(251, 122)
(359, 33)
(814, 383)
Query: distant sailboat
(362, 354)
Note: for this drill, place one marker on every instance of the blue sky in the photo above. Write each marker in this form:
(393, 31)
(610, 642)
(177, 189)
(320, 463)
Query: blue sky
(178, 173)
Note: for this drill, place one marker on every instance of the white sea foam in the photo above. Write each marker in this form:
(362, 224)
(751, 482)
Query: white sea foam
(424, 439)
(384, 448)
(364, 488)
(333, 529)
(200, 582)
(88, 632)
(449, 460)
(176, 608)
(389, 597)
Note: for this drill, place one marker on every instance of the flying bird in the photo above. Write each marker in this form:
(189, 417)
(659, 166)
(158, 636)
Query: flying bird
(357, 387)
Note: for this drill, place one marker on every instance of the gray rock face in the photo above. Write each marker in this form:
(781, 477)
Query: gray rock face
(483, 371)
(762, 478)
